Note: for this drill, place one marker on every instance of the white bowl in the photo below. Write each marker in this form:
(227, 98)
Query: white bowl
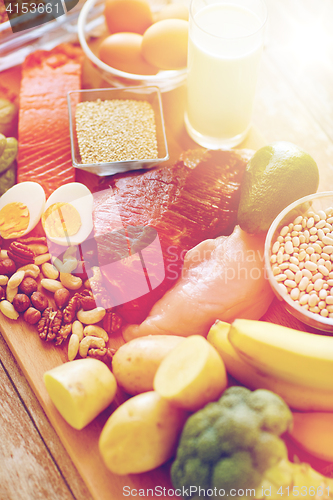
(314, 202)
(165, 80)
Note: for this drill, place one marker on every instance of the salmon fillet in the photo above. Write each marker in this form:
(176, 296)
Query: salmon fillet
(222, 279)
(194, 199)
(44, 141)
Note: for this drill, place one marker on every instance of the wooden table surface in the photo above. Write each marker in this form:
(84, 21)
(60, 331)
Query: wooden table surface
(294, 102)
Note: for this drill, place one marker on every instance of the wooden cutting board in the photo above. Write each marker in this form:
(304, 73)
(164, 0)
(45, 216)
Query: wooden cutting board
(36, 357)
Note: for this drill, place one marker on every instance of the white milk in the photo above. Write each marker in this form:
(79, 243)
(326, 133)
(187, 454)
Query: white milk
(225, 45)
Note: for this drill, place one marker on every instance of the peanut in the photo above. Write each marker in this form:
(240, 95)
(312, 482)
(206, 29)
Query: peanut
(88, 343)
(3, 279)
(41, 259)
(51, 285)
(67, 266)
(95, 331)
(92, 316)
(8, 310)
(50, 271)
(73, 346)
(38, 248)
(10, 293)
(69, 281)
(77, 329)
(3, 255)
(15, 279)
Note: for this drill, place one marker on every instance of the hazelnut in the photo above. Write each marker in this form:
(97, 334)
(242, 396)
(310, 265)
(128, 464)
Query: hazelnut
(7, 267)
(61, 297)
(21, 302)
(28, 285)
(32, 316)
(39, 301)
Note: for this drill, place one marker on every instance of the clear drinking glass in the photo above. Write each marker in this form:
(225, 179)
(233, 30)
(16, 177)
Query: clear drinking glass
(225, 45)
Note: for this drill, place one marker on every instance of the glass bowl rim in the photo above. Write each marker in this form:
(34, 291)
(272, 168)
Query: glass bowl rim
(89, 4)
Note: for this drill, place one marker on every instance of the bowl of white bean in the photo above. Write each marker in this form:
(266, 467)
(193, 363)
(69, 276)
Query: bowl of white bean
(299, 259)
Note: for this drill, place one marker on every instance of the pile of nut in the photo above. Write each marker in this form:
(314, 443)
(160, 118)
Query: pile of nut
(302, 261)
(28, 279)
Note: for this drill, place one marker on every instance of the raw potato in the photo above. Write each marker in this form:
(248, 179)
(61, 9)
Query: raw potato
(141, 434)
(192, 374)
(134, 364)
(80, 390)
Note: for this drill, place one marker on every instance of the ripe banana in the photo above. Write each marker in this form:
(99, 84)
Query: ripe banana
(296, 396)
(302, 358)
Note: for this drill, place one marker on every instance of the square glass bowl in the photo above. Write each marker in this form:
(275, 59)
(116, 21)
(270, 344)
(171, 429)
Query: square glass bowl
(316, 203)
(150, 94)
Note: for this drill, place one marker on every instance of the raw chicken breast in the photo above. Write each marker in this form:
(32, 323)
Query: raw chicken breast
(221, 279)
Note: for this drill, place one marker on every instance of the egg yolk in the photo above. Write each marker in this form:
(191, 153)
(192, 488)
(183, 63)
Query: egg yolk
(61, 220)
(14, 220)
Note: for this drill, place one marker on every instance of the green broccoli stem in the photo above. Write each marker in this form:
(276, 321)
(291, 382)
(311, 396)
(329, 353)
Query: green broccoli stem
(287, 479)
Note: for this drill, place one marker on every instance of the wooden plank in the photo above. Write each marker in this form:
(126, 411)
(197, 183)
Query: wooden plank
(27, 471)
(40, 420)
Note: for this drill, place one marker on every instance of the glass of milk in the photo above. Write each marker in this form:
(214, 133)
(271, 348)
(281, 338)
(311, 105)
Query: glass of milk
(225, 44)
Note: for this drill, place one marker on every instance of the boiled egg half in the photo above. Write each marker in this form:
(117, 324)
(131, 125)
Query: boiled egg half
(21, 208)
(67, 219)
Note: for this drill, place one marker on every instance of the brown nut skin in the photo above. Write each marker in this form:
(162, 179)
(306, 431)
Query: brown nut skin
(28, 286)
(32, 316)
(61, 297)
(2, 293)
(21, 302)
(7, 267)
(39, 301)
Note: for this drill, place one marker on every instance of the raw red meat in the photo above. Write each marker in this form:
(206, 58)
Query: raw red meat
(193, 200)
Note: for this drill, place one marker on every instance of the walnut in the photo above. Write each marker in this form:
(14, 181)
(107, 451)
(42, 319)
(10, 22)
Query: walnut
(72, 308)
(87, 300)
(39, 301)
(49, 325)
(32, 316)
(28, 286)
(63, 333)
(21, 302)
(98, 353)
(112, 322)
(61, 297)
(7, 267)
(20, 253)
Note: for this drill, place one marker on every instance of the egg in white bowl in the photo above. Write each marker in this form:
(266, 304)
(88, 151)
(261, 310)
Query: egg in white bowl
(67, 219)
(21, 208)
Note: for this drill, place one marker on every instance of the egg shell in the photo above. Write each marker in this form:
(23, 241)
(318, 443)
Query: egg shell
(164, 44)
(134, 16)
(123, 51)
(30, 194)
(80, 197)
(172, 11)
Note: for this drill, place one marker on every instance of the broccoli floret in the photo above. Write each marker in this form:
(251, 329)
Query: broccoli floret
(235, 472)
(192, 472)
(232, 442)
(268, 451)
(275, 414)
(234, 395)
